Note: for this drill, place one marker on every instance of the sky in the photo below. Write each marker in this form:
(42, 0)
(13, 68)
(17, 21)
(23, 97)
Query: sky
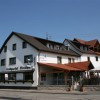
(57, 19)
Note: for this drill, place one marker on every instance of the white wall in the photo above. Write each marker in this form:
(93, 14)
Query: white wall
(19, 53)
(52, 58)
(92, 59)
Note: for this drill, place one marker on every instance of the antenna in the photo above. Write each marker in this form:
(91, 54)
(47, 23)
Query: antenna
(48, 36)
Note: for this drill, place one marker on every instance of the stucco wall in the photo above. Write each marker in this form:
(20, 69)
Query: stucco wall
(19, 53)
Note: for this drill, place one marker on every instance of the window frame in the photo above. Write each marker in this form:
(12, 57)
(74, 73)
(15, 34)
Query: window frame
(88, 58)
(69, 60)
(12, 76)
(14, 46)
(59, 60)
(5, 48)
(26, 57)
(96, 57)
(12, 61)
(3, 62)
(28, 76)
(24, 45)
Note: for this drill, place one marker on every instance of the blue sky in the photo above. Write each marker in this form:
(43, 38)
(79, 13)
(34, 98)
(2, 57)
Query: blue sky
(59, 18)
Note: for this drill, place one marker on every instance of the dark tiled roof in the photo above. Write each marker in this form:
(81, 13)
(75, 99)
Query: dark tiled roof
(36, 43)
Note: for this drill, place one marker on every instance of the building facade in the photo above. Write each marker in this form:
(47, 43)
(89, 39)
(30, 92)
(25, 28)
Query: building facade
(27, 61)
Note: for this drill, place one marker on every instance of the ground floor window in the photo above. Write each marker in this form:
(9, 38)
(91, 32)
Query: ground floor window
(28, 76)
(2, 77)
(12, 76)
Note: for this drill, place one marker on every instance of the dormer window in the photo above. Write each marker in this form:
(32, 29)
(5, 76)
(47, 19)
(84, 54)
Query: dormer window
(67, 46)
(58, 47)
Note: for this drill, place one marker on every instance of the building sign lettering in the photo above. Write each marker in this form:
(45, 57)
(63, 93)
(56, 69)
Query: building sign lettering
(19, 68)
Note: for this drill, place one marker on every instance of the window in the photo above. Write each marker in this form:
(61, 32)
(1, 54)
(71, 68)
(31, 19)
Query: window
(73, 60)
(88, 58)
(12, 61)
(59, 60)
(5, 49)
(69, 60)
(14, 47)
(28, 76)
(2, 77)
(96, 58)
(3, 62)
(12, 76)
(43, 77)
(83, 47)
(67, 47)
(24, 45)
(28, 58)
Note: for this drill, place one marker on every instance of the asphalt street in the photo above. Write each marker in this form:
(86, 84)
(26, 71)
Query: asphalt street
(36, 95)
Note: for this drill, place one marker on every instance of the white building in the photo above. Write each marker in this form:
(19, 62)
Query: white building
(89, 51)
(27, 61)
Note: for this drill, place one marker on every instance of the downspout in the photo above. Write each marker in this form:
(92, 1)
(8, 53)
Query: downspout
(39, 79)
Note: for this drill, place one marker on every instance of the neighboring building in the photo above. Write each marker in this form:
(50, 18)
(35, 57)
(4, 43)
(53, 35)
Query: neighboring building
(92, 44)
(89, 51)
(27, 61)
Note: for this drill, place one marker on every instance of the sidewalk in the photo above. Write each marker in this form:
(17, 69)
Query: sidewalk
(46, 91)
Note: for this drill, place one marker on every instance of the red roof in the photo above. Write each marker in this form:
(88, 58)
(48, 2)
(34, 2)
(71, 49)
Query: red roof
(91, 43)
(79, 66)
(86, 65)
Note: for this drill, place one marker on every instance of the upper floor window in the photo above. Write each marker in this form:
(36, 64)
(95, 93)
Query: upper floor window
(3, 62)
(12, 61)
(73, 60)
(5, 49)
(96, 58)
(24, 45)
(88, 58)
(28, 58)
(59, 60)
(14, 47)
(69, 60)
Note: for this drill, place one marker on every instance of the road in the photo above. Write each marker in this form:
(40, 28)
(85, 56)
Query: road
(31, 95)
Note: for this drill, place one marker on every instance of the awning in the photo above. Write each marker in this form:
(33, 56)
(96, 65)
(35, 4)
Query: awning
(86, 65)
(79, 66)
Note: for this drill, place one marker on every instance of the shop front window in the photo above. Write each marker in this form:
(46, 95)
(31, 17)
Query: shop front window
(28, 76)
(11, 76)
